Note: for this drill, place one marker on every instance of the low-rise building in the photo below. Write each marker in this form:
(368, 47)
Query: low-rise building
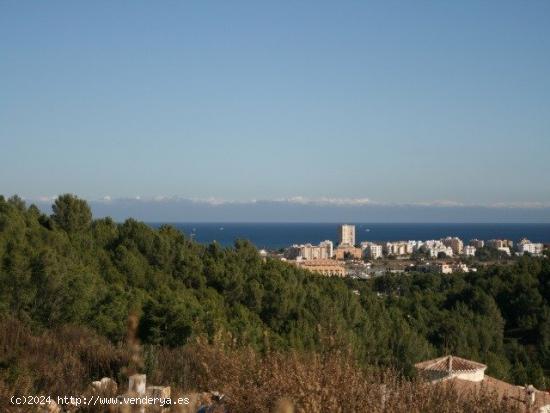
(468, 377)
(449, 367)
(435, 267)
(357, 269)
(460, 267)
(444, 268)
(342, 252)
(533, 248)
(469, 251)
(326, 267)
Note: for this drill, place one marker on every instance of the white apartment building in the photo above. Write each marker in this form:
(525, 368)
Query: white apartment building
(328, 247)
(372, 250)
(415, 245)
(478, 243)
(323, 251)
(347, 235)
(455, 243)
(434, 247)
(500, 243)
(437, 248)
(469, 251)
(527, 246)
(430, 243)
(505, 250)
(375, 251)
(399, 248)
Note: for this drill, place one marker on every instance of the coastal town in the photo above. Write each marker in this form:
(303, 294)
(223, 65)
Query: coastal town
(369, 258)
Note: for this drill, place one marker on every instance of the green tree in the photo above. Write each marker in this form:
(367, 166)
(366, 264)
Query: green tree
(71, 213)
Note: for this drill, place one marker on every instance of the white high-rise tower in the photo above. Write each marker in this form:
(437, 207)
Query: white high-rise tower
(347, 235)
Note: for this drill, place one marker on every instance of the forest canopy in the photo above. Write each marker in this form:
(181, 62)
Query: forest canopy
(68, 268)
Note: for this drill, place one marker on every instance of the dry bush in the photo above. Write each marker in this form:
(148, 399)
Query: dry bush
(57, 362)
(311, 383)
(64, 362)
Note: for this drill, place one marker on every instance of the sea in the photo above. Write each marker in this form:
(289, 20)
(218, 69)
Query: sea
(274, 236)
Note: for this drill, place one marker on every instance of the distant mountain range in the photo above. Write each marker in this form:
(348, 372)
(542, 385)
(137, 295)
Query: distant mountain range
(298, 209)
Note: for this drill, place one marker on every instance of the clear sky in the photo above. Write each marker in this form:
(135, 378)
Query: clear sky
(390, 101)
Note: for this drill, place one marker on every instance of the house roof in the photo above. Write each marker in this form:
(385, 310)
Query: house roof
(503, 390)
(450, 363)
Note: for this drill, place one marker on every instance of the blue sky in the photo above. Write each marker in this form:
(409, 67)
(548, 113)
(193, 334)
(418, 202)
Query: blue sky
(431, 103)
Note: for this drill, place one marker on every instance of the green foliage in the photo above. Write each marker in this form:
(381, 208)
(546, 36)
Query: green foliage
(71, 214)
(70, 269)
(491, 254)
(499, 315)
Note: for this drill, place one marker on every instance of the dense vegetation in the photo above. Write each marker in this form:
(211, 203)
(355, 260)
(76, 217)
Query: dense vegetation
(63, 360)
(68, 269)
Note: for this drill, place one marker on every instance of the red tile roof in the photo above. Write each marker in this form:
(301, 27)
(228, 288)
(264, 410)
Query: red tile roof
(503, 390)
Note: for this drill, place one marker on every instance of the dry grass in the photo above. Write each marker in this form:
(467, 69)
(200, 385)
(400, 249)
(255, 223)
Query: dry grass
(57, 362)
(64, 361)
(311, 383)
